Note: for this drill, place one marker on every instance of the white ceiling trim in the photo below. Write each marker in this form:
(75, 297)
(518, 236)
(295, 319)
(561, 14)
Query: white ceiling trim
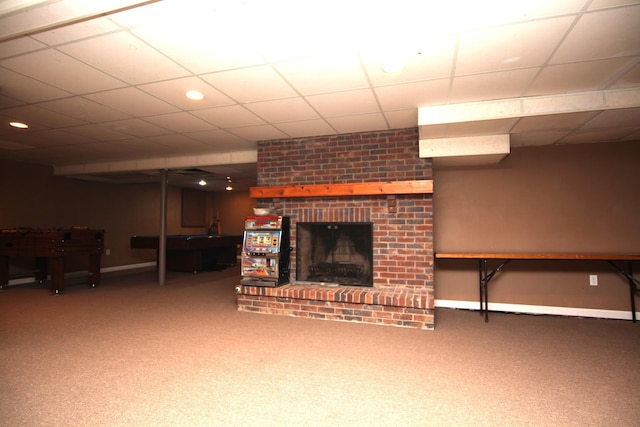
(529, 106)
(465, 146)
(230, 158)
(45, 17)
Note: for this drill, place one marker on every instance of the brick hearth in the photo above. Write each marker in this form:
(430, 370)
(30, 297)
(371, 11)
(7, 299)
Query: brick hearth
(395, 307)
(402, 292)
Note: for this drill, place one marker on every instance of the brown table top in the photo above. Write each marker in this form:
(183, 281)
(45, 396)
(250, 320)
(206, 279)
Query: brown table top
(540, 255)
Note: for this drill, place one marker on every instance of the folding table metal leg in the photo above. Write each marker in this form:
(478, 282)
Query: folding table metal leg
(482, 267)
(633, 285)
(485, 277)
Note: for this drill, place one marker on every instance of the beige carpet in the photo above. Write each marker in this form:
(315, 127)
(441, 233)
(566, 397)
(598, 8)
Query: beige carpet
(132, 353)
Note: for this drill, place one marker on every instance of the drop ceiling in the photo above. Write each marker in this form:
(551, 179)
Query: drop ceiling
(102, 84)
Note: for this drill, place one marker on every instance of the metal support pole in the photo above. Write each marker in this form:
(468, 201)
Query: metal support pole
(632, 290)
(162, 240)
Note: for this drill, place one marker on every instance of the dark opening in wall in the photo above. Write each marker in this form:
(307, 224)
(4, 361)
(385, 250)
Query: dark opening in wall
(335, 253)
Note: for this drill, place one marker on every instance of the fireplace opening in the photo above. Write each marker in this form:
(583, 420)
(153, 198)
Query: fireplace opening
(335, 253)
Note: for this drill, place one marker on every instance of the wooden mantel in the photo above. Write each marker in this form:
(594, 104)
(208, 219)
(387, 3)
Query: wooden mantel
(352, 189)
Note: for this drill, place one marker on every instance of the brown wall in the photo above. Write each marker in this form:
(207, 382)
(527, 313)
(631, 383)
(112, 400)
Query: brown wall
(230, 207)
(582, 198)
(574, 198)
(33, 197)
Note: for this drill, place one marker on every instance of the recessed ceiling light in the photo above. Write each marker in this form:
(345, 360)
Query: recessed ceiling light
(202, 182)
(229, 188)
(19, 125)
(393, 66)
(195, 95)
(511, 59)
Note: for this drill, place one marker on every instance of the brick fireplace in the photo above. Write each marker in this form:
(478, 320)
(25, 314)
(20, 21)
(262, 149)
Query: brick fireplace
(402, 291)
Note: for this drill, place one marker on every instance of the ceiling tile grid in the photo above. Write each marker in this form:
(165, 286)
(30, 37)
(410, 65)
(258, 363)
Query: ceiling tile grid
(90, 76)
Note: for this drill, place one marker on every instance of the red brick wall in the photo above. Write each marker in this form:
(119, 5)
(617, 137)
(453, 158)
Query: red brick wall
(402, 236)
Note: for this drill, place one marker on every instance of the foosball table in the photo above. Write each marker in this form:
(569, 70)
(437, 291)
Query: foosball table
(50, 247)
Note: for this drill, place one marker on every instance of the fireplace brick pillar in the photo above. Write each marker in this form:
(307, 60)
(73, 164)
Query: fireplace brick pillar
(403, 290)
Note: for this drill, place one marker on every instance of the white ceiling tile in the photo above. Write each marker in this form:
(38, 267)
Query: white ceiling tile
(431, 60)
(81, 30)
(304, 128)
(62, 71)
(537, 138)
(6, 102)
(176, 140)
(626, 117)
(173, 92)
(138, 147)
(585, 76)
(132, 101)
(180, 122)
(48, 138)
(467, 15)
(111, 147)
(75, 152)
(344, 103)
(11, 146)
(96, 132)
(551, 122)
(125, 57)
(600, 135)
(251, 84)
(223, 147)
(23, 88)
(19, 47)
(218, 138)
(197, 48)
(283, 110)
(630, 79)
(34, 155)
(498, 85)
(229, 117)
(84, 109)
(633, 136)
(502, 48)
(324, 74)
(413, 95)
(136, 127)
(268, 57)
(28, 17)
(259, 133)
(37, 117)
(601, 4)
(161, 11)
(402, 118)
(359, 123)
(297, 30)
(602, 34)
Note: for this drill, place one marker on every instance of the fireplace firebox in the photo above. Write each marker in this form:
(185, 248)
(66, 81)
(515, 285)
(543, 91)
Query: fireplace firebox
(339, 253)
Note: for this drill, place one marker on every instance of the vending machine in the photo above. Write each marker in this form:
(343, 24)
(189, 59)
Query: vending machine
(265, 251)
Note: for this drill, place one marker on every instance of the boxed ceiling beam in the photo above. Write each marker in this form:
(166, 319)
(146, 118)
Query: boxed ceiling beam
(493, 147)
(529, 106)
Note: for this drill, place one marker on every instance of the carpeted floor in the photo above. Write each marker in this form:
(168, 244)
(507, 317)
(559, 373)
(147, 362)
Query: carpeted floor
(132, 353)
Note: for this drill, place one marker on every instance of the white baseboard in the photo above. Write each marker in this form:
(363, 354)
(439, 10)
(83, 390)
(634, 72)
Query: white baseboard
(31, 279)
(539, 309)
(128, 267)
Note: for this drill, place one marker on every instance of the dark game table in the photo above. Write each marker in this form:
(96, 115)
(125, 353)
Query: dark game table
(193, 252)
(50, 247)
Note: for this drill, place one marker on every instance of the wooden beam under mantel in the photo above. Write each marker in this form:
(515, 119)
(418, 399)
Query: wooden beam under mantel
(335, 190)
